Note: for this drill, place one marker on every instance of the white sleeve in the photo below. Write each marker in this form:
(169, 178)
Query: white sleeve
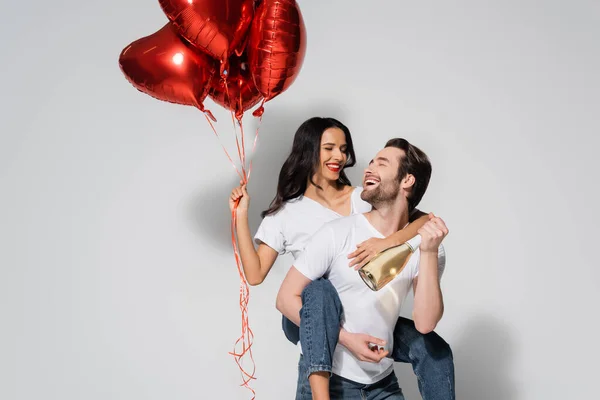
(270, 232)
(315, 260)
(441, 263)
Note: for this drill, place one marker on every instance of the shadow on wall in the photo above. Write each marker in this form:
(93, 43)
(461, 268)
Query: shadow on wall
(209, 210)
(483, 355)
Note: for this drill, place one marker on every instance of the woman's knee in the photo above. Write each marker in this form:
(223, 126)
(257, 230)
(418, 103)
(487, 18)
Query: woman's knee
(320, 289)
(435, 346)
(421, 345)
(322, 293)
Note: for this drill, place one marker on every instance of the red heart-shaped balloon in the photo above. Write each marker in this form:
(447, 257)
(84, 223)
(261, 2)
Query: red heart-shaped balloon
(217, 27)
(165, 67)
(276, 46)
(240, 94)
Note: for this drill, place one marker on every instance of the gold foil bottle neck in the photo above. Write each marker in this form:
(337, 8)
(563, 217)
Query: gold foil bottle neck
(387, 265)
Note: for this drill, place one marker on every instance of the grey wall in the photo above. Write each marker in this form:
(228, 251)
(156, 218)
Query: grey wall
(117, 278)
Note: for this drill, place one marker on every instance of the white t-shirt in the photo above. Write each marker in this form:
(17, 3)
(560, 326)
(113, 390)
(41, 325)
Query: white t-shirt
(365, 311)
(288, 230)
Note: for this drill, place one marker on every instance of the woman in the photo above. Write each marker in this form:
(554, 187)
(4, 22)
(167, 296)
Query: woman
(313, 189)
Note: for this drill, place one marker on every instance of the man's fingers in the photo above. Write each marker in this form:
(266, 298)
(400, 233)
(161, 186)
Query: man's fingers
(381, 354)
(441, 225)
(436, 232)
(426, 229)
(371, 356)
(438, 228)
(374, 340)
(433, 230)
(375, 355)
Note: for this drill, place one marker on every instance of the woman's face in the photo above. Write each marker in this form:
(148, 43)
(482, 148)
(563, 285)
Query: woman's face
(333, 154)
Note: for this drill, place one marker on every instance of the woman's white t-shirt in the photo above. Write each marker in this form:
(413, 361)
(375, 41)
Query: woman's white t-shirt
(289, 230)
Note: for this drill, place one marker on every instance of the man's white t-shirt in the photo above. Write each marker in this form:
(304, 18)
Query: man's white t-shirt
(288, 230)
(365, 311)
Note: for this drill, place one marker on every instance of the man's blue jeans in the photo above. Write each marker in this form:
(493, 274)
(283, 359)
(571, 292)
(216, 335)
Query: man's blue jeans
(320, 316)
(345, 389)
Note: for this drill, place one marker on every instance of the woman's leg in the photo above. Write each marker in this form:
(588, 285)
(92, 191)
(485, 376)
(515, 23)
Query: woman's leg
(303, 391)
(431, 359)
(320, 321)
(291, 330)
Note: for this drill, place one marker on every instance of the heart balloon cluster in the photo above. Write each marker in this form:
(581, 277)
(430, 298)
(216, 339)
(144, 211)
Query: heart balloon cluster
(237, 52)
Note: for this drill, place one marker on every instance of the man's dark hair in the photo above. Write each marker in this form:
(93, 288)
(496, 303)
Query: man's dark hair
(416, 163)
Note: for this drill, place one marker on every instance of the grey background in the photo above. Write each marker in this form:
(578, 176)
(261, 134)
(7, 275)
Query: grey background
(117, 278)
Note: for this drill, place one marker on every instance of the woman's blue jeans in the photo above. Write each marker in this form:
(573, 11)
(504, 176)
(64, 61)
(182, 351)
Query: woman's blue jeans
(320, 318)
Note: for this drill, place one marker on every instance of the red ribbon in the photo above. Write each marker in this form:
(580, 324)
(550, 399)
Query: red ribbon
(246, 339)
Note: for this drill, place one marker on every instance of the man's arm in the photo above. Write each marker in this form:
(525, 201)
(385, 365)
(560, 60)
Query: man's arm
(289, 301)
(313, 263)
(429, 304)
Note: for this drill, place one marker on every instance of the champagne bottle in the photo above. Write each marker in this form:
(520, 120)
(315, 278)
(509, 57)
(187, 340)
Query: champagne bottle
(385, 266)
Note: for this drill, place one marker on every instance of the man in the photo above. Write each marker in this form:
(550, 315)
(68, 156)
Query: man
(394, 184)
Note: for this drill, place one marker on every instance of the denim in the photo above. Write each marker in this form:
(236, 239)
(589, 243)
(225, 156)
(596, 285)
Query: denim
(345, 389)
(291, 330)
(320, 318)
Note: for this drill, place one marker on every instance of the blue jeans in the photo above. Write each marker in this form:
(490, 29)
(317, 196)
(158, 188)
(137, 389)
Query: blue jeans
(345, 389)
(320, 319)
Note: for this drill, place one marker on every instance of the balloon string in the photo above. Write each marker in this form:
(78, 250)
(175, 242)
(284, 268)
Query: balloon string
(254, 145)
(241, 156)
(247, 336)
(246, 339)
(240, 105)
(242, 177)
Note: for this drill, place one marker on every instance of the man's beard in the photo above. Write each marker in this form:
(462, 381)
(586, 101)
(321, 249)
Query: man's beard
(384, 193)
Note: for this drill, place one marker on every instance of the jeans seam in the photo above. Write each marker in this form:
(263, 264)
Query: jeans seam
(305, 301)
(318, 368)
(419, 377)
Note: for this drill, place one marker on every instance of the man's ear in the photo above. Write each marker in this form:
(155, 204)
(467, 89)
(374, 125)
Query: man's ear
(408, 182)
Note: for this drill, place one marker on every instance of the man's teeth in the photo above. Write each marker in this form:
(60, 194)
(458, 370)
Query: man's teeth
(370, 182)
